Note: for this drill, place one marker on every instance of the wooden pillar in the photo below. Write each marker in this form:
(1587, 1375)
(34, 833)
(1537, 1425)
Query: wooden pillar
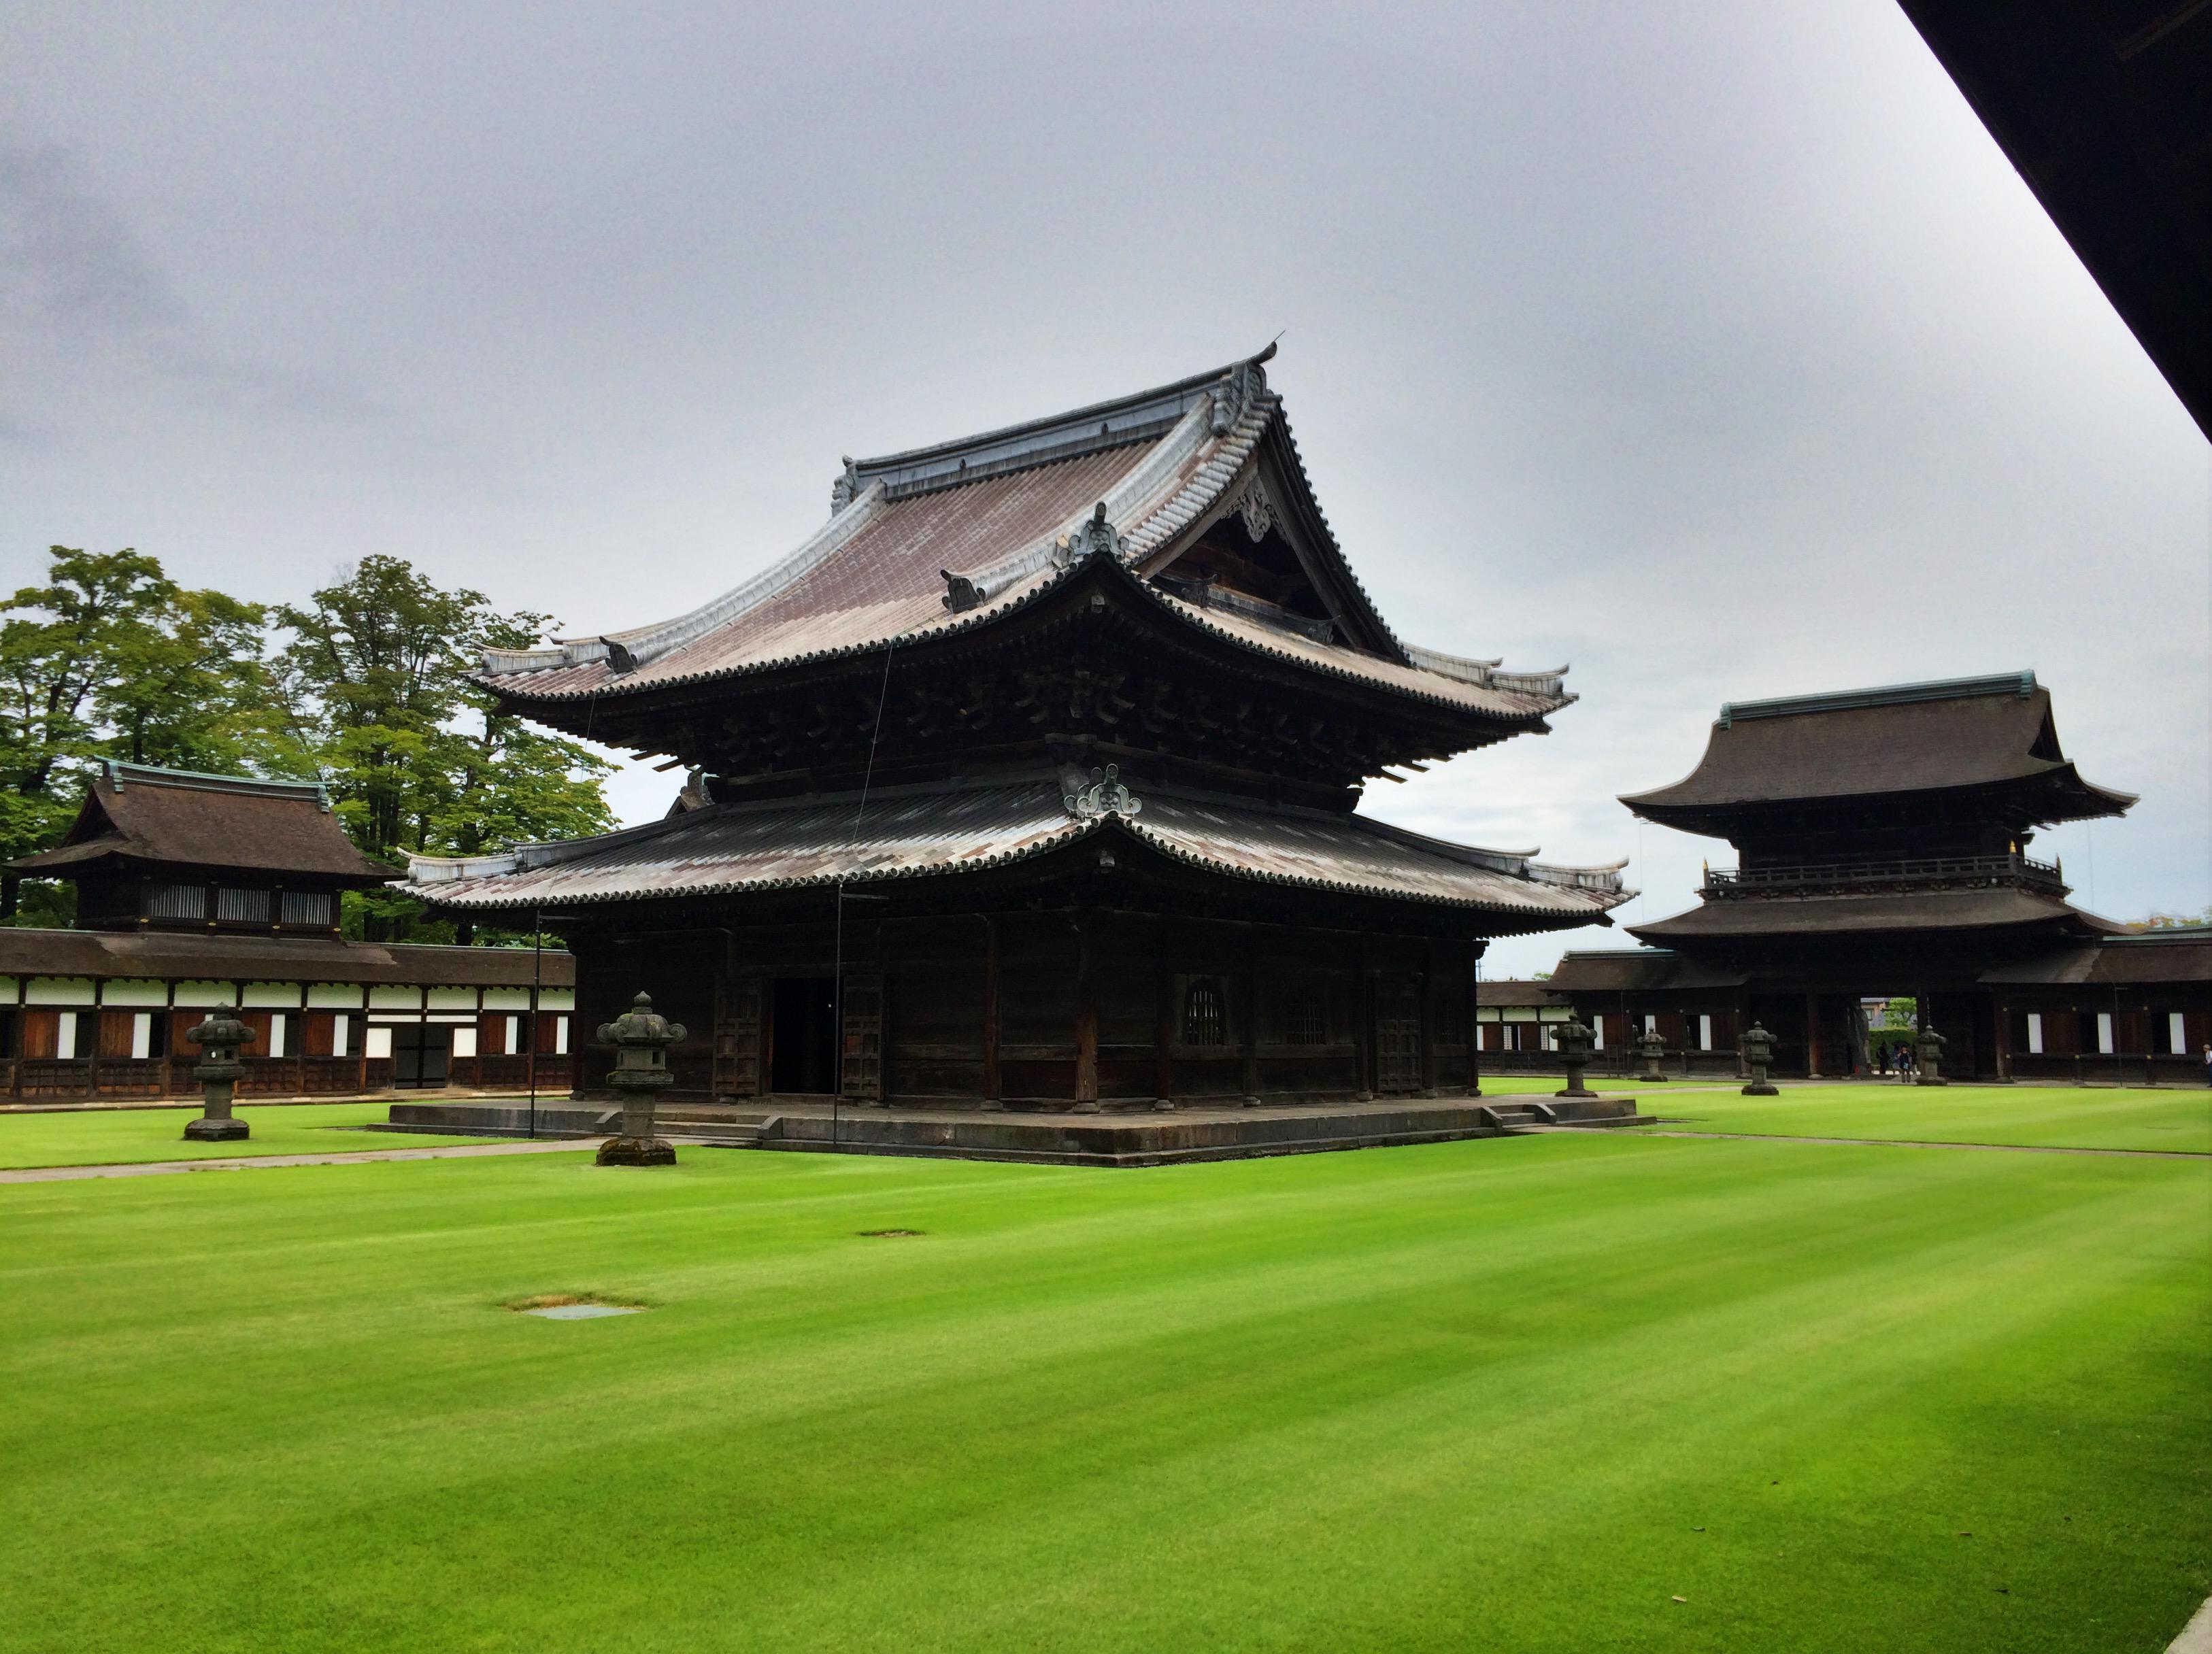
(992, 1097)
(1428, 1003)
(1086, 1017)
(1249, 1042)
(1363, 1024)
(1473, 1024)
(2002, 1025)
(1163, 1018)
(1812, 1037)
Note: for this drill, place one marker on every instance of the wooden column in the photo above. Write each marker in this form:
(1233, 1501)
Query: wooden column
(1250, 1042)
(1163, 1016)
(1812, 1037)
(1086, 1018)
(992, 1097)
(1474, 1026)
(1363, 1024)
(2002, 1028)
(1428, 1004)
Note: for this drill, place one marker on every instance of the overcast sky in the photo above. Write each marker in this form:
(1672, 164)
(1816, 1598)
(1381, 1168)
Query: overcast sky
(1715, 349)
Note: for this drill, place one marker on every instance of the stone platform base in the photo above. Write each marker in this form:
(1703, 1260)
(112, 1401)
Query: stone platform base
(204, 1130)
(1193, 1132)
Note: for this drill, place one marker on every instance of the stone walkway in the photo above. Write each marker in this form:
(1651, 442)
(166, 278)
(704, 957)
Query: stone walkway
(253, 1162)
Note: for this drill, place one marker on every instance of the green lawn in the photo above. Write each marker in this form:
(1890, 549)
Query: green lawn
(2057, 1116)
(1509, 1395)
(133, 1136)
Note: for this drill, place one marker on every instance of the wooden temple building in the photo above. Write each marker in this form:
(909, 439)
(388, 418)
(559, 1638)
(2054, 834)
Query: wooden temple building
(1882, 839)
(1029, 781)
(197, 890)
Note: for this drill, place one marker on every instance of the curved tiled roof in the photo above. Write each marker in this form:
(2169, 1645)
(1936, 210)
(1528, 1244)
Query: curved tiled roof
(920, 831)
(143, 813)
(1003, 510)
(1901, 739)
(1870, 915)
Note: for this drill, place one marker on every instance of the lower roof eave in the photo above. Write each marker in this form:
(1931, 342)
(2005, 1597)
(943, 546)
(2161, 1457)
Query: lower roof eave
(526, 893)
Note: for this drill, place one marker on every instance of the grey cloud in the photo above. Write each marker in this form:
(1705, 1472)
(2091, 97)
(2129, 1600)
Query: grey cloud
(78, 286)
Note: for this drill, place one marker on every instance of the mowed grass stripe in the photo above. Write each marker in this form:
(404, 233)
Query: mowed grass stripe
(2033, 1117)
(1386, 1400)
(93, 1137)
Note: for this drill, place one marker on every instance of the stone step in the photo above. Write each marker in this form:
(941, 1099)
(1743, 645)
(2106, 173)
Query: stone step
(723, 1133)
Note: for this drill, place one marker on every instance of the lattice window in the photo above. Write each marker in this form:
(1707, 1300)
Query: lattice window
(1305, 1013)
(177, 902)
(311, 907)
(236, 906)
(1205, 1013)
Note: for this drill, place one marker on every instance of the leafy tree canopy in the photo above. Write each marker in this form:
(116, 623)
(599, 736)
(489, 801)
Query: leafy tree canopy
(365, 685)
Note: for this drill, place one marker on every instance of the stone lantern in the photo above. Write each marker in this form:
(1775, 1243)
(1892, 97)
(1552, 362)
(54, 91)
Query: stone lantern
(1651, 1048)
(218, 1070)
(640, 1037)
(1758, 1050)
(1928, 1049)
(1576, 1037)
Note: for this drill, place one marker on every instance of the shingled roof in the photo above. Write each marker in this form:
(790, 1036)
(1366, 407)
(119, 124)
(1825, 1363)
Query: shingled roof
(1901, 738)
(922, 831)
(177, 818)
(1930, 911)
(1012, 512)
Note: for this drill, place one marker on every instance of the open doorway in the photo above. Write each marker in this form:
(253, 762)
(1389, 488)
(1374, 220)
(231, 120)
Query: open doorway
(802, 1050)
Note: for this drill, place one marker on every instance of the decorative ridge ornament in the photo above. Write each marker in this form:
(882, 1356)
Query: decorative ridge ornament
(847, 488)
(1105, 796)
(961, 593)
(1238, 389)
(1093, 537)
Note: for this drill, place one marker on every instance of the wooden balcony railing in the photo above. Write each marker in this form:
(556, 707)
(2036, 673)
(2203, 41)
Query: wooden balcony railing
(1722, 883)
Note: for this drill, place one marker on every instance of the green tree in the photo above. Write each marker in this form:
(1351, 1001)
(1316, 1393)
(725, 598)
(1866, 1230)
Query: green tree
(375, 677)
(193, 693)
(111, 657)
(61, 646)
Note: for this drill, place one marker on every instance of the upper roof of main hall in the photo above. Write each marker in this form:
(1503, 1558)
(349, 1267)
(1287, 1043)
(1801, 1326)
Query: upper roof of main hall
(1013, 512)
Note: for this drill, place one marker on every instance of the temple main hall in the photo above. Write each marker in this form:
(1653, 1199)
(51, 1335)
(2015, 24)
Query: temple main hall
(1031, 780)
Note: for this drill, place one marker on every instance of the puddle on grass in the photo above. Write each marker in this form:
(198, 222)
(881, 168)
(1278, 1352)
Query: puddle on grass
(570, 1306)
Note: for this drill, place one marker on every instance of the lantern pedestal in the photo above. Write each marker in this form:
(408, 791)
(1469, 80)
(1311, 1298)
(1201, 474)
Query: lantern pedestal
(1576, 1037)
(213, 1127)
(1757, 1050)
(218, 1070)
(1650, 1049)
(1930, 1069)
(627, 1151)
(640, 1037)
